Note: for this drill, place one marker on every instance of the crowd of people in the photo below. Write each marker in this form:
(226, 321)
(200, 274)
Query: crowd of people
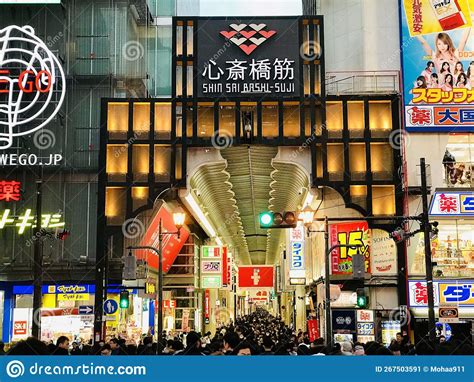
(256, 334)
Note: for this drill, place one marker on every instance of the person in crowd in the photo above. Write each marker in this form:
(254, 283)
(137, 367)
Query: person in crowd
(193, 345)
(231, 340)
(62, 346)
(30, 346)
(115, 346)
(267, 345)
(106, 350)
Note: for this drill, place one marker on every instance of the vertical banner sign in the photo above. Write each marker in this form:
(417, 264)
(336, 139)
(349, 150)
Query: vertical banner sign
(212, 266)
(253, 57)
(297, 258)
(353, 233)
(438, 67)
(383, 253)
(185, 321)
(207, 306)
(225, 269)
(313, 329)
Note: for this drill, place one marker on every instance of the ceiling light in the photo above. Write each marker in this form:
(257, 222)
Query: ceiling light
(198, 212)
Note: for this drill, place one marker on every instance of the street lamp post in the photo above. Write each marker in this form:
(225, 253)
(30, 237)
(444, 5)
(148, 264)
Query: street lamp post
(178, 218)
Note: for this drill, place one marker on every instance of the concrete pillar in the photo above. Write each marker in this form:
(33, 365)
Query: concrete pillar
(300, 308)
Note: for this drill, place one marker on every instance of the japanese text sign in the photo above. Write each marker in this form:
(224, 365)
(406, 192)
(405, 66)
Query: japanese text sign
(10, 190)
(436, 54)
(254, 57)
(452, 204)
(457, 292)
(353, 233)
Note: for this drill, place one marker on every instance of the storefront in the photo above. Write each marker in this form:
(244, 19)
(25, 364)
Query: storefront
(69, 310)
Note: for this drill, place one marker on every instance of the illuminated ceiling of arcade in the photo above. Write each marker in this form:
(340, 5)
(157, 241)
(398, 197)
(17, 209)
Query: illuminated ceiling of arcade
(241, 183)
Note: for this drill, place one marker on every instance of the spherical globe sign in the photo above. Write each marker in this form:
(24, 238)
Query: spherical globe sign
(32, 84)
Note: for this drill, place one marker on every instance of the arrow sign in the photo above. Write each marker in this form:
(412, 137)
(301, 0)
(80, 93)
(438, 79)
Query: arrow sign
(110, 306)
(86, 309)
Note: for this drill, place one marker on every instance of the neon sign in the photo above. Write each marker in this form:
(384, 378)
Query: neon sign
(28, 220)
(10, 190)
(32, 84)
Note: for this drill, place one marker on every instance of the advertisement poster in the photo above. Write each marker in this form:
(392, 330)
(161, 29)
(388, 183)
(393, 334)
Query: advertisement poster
(383, 253)
(438, 65)
(353, 233)
(256, 276)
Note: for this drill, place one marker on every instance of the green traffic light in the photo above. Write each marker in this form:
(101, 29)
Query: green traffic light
(124, 300)
(266, 219)
(361, 302)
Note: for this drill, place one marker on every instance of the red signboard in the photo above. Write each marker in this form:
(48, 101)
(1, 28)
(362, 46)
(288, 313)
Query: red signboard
(313, 329)
(353, 233)
(225, 270)
(171, 243)
(10, 190)
(207, 306)
(169, 304)
(19, 328)
(256, 277)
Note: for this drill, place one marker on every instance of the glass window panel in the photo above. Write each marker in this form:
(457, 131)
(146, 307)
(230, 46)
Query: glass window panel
(189, 79)
(248, 119)
(291, 120)
(334, 119)
(140, 163)
(306, 79)
(227, 119)
(179, 162)
(380, 118)
(179, 81)
(357, 162)
(162, 163)
(336, 161)
(359, 195)
(381, 161)
(179, 40)
(355, 118)
(117, 120)
(141, 119)
(117, 157)
(319, 161)
(115, 201)
(270, 121)
(205, 121)
(139, 197)
(383, 200)
(163, 120)
(190, 45)
(317, 79)
(189, 121)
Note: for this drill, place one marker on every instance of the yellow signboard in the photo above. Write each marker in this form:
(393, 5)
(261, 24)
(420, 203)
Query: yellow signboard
(74, 297)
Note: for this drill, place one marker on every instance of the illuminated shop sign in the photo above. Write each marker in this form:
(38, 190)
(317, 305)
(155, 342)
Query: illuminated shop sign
(457, 292)
(438, 85)
(297, 256)
(10, 190)
(251, 57)
(28, 220)
(452, 204)
(32, 84)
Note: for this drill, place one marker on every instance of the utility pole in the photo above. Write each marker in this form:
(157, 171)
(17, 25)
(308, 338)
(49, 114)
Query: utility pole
(327, 276)
(37, 265)
(160, 290)
(425, 225)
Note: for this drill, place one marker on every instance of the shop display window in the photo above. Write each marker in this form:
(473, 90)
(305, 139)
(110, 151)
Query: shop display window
(458, 160)
(452, 251)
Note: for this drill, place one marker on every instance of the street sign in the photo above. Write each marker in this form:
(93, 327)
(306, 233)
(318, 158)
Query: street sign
(110, 306)
(86, 309)
(448, 313)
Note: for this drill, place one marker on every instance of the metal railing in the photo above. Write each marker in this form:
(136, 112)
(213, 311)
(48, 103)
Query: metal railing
(363, 82)
(459, 174)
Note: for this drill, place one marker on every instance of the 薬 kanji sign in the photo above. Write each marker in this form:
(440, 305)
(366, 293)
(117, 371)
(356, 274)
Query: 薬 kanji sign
(10, 190)
(254, 57)
(452, 204)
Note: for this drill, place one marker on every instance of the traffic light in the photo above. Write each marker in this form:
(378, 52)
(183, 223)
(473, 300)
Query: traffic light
(270, 219)
(362, 299)
(124, 299)
(129, 267)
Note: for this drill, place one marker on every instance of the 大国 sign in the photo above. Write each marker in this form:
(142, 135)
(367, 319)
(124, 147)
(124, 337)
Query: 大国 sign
(251, 57)
(32, 84)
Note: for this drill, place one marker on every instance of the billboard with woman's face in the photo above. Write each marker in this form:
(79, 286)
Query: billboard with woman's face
(438, 64)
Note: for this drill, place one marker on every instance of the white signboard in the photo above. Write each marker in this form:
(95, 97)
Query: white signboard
(297, 258)
(383, 254)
